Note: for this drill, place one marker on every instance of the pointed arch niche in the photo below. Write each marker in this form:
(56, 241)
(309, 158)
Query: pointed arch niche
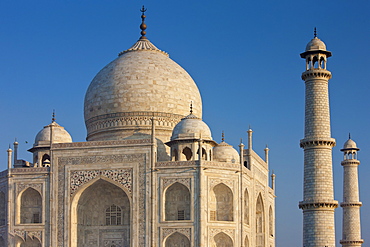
(177, 239)
(260, 222)
(177, 202)
(100, 215)
(223, 240)
(246, 207)
(29, 207)
(221, 203)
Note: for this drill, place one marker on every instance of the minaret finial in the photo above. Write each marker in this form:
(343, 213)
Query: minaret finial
(53, 116)
(191, 107)
(223, 136)
(314, 33)
(143, 25)
(349, 135)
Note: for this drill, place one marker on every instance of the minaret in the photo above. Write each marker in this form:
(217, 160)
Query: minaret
(351, 231)
(318, 203)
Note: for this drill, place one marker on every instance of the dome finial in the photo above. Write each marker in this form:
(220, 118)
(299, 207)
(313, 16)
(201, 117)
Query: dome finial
(191, 107)
(349, 135)
(314, 33)
(53, 117)
(143, 25)
(223, 136)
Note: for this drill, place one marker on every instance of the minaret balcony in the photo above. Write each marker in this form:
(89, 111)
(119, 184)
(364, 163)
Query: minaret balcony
(316, 73)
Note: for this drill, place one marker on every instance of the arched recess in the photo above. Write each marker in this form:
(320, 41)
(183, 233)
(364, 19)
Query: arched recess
(187, 153)
(271, 222)
(2, 209)
(246, 241)
(30, 207)
(221, 203)
(223, 240)
(246, 207)
(177, 202)
(175, 155)
(29, 242)
(45, 160)
(260, 222)
(177, 240)
(100, 215)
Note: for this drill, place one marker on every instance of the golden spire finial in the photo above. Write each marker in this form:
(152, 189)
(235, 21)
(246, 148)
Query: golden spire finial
(143, 25)
(223, 136)
(314, 33)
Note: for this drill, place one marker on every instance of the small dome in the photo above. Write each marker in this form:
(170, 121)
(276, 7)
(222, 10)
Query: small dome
(60, 135)
(191, 127)
(350, 144)
(225, 153)
(316, 44)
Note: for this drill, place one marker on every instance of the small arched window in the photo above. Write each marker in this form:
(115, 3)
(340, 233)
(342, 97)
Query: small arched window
(45, 160)
(113, 216)
(188, 153)
(175, 155)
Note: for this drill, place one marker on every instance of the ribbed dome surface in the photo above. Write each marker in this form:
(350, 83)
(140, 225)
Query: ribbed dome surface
(191, 127)
(224, 152)
(60, 135)
(143, 82)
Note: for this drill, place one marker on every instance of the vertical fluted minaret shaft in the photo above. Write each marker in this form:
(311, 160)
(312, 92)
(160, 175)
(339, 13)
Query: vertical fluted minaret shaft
(318, 194)
(351, 231)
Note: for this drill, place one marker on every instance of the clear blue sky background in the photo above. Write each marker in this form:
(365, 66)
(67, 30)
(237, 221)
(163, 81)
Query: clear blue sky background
(243, 55)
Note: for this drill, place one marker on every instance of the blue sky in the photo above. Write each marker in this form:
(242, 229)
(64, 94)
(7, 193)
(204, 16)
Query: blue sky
(243, 55)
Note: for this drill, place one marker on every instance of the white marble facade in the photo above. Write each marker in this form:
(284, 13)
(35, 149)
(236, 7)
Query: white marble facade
(150, 173)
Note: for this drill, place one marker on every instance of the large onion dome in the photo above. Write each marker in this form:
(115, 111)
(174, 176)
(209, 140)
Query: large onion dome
(143, 82)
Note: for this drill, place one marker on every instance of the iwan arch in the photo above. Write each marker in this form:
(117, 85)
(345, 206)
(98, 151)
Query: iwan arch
(149, 174)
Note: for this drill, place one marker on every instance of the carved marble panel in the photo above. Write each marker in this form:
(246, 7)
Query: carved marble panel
(169, 181)
(216, 181)
(79, 178)
(215, 231)
(22, 186)
(168, 231)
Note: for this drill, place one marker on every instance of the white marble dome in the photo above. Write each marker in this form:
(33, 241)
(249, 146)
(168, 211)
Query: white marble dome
(350, 144)
(224, 152)
(143, 82)
(191, 127)
(60, 135)
(316, 44)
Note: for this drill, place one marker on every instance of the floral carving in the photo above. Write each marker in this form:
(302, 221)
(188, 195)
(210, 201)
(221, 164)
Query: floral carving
(229, 183)
(79, 178)
(215, 231)
(168, 231)
(21, 186)
(168, 181)
(34, 234)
